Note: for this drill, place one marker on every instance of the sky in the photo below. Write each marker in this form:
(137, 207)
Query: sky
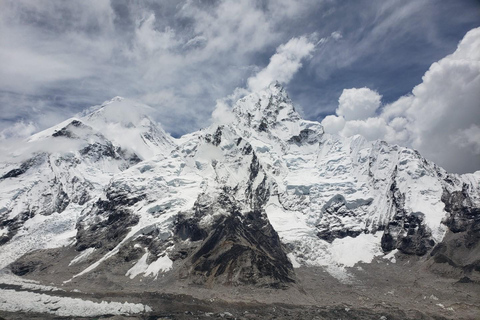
(405, 71)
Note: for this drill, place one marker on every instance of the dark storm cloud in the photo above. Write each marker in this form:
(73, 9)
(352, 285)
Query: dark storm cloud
(59, 57)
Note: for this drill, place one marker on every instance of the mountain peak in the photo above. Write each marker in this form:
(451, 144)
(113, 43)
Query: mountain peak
(267, 107)
(275, 85)
(120, 110)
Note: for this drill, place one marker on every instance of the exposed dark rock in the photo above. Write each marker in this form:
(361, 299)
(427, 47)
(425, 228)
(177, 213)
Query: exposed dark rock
(460, 247)
(330, 235)
(307, 136)
(413, 238)
(61, 200)
(131, 157)
(263, 126)
(388, 243)
(217, 136)
(189, 229)
(235, 249)
(243, 250)
(34, 161)
(454, 254)
(129, 252)
(22, 267)
(208, 138)
(463, 215)
(67, 132)
(258, 197)
(336, 207)
(81, 190)
(418, 239)
(13, 225)
(64, 132)
(457, 251)
(465, 280)
(407, 231)
(247, 149)
(97, 151)
(40, 261)
(114, 222)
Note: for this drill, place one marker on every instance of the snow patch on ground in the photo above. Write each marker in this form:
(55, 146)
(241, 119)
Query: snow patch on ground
(350, 251)
(11, 279)
(391, 256)
(82, 256)
(24, 301)
(293, 260)
(162, 264)
(139, 267)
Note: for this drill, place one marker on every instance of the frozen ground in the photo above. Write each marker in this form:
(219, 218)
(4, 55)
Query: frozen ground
(19, 295)
(402, 290)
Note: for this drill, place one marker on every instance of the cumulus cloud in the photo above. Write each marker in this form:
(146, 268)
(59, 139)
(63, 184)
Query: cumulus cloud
(336, 35)
(283, 64)
(358, 104)
(469, 138)
(439, 118)
(333, 124)
(371, 128)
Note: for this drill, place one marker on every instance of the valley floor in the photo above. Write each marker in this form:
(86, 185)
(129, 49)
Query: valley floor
(380, 290)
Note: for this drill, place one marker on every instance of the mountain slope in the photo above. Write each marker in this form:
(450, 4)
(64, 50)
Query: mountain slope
(244, 202)
(53, 175)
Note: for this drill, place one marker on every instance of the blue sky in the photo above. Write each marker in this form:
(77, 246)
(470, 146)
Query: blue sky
(180, 57)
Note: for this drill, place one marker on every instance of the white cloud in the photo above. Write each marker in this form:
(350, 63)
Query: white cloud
(358, 104)
(183, 55)
(333, 124)
(150, 39)
(371, 128)
(440, 118)
(59, 57)
(20, 129)
(469, 138)
(283, 64)
(282, 67)
(336, 35)
(223, 113)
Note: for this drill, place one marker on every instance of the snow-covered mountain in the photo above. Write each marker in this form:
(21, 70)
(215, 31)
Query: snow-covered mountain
(244, 202)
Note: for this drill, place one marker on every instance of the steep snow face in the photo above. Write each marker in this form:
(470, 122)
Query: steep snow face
(327, 187)
(226, 202)
(61, 169)
(211, 188)
(128, 124)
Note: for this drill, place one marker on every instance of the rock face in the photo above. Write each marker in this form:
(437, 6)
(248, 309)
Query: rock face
(460, 248)
(238, 248)
(243, 202)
